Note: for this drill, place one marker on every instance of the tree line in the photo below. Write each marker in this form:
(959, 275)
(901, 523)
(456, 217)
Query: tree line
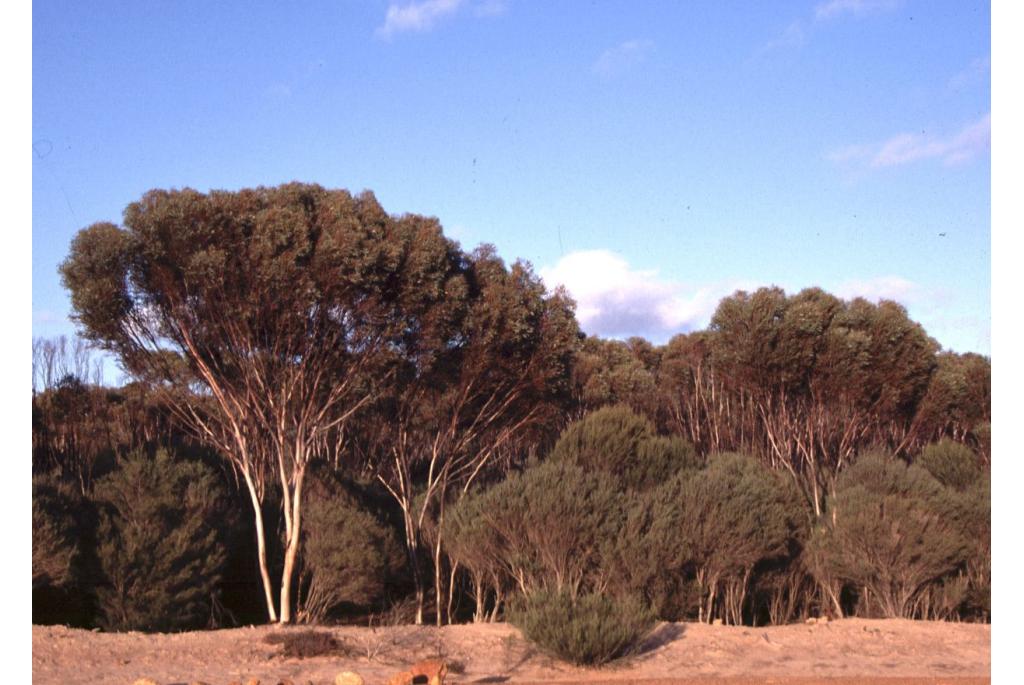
(407, 423)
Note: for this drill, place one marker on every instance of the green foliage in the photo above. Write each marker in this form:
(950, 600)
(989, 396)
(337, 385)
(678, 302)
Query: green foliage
(55, 535)
(552, 525)
(951, 463)
(730, 517)
(159, 550)
(611, 372)
(973, 513)
(590, 629)
(959, 398)
(617, 441)
(349, 555)
(890, 531)
(858, 352)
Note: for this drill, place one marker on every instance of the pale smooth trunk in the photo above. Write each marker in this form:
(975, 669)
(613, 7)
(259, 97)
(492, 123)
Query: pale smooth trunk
(261, 545)
(293, 549)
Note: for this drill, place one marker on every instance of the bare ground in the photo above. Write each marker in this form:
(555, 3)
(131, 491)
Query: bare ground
(846, 652)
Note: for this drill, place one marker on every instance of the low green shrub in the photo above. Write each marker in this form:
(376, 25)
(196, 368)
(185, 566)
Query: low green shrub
(951, 463)
(591, 629)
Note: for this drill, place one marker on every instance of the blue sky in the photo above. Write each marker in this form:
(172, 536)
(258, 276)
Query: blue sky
(652, 157)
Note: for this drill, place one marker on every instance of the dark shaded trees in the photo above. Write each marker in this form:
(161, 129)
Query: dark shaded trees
(259, 314)
(55, 535)
(159, 551)
(349, 555)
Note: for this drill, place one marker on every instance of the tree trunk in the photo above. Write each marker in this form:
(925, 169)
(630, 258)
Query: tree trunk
(261, 545)
(478, 582)
(438, 581)
(497, 602)
(451, 591)
(293, 547)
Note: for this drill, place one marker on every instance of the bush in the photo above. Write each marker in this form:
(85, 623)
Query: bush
(951, 463)
(160, 555)
(890, 532)
(349, 557)
(54, 533)
(591, 629)
(716, 526)
(556, 523)
(623, 444)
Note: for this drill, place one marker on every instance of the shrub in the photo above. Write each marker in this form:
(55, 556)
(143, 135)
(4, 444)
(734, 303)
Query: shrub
(556, 523)
(721, 523)
(951, 463)
(348, 555)
(473, 542)
(553, 526)
(159, 552)
(890, 531)
(623, 444)
(591, 629)
(54, 533)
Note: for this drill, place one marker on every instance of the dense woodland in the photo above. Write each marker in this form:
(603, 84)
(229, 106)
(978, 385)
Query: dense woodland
(336, 414)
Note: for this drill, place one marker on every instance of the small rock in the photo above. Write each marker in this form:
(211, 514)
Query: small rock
(145, 681)
(717, 622)
(348, 678)
(811, 621)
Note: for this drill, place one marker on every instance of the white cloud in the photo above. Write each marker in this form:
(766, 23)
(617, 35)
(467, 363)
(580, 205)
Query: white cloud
(896, 288)
(615, 300)
(622, 57)
(416, 16)
(972, 140)
(836, 8)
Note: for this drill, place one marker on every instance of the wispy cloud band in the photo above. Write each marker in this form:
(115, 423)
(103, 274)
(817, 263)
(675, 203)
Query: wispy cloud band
(837, 8)
(905, 148)
(416, 16)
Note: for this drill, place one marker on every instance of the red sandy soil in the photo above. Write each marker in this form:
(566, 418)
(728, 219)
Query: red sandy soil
(846, 652)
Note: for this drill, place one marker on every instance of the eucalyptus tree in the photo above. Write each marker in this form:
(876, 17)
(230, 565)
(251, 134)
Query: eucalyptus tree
(469, 394)
(824, 378)
(262, 317)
